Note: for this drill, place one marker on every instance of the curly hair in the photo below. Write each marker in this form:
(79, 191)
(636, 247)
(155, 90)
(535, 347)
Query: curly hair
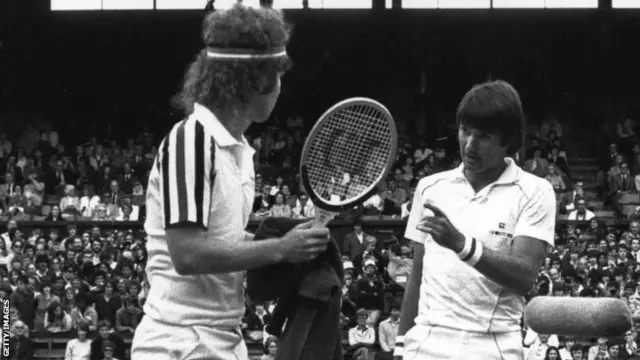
(219, 84)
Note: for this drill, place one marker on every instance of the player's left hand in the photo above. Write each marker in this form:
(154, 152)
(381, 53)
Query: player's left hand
(442, 231)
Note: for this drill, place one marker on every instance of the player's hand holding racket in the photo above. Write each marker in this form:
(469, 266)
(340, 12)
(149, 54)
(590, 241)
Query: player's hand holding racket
(304, 242)
(349, 151)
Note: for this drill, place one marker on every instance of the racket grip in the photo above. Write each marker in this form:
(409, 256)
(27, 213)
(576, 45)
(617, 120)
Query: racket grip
(322, 218)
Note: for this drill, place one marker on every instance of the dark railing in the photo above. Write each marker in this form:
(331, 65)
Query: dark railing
(372, 224)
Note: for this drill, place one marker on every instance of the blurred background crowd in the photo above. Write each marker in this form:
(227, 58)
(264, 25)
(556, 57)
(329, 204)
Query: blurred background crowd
(72, 256)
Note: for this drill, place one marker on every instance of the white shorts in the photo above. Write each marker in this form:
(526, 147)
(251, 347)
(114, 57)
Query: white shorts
(438, 343)
(154, 340)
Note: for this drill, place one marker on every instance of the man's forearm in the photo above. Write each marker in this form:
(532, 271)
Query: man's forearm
(222, 256)
(506, 270)
(241, 256)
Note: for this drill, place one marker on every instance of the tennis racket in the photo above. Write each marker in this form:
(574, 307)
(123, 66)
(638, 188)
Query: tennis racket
(349, 151)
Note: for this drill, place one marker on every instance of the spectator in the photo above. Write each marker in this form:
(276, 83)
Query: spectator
(279, 207)
(581, 213)
(105, 336)
(80, 347)
(108, 304)
(20, 345)
(370, 292)
(537, 165)
(24, 298)
(138, 195)
(270, 349)
(7, 189)
(304, 208)
(362, 337)
(88, 202)
(354, 242)
(400, 265)
(43, 302)
(116, 195)
(84, 313)
(56, 179)
(56, 320)
(555, 178)
(538, 350)
(387, 332)
(614, 352)
(369, 252)
(349, 296)
(128, 179)
(256, 322)
(108, 349)
(69, 300)
(565, 352)
(127, 211)
(16, 203)
(6, 255)
(600, 348)
(128, 317)
(552, 353)
(55, 214)
(630, 347)
(559, 161)
(264, 200)
(102, 214)
(70, 203)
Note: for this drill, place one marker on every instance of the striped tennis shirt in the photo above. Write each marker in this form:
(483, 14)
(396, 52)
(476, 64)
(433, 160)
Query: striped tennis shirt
(202, 177)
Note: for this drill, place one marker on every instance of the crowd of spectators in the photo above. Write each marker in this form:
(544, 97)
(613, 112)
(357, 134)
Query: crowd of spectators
(87, 282)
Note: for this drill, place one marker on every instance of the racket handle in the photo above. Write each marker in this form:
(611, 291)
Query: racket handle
(322, 218)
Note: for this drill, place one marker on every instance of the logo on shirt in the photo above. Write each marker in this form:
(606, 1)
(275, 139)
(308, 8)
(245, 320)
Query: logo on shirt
(501, 231)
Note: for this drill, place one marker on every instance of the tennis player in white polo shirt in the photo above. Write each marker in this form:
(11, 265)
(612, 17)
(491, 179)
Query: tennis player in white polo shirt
(201, 191)
(482, 232)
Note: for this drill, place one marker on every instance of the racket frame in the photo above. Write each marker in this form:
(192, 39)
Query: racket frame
(326, 211)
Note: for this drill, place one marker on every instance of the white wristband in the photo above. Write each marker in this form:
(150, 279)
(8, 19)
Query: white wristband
(466, 249)
(473, 254)
(398, 349)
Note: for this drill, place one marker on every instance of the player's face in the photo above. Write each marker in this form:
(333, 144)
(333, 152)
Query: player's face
(480, 150)
(264, 104)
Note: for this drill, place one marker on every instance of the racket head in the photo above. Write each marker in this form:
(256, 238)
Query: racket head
(356, 136)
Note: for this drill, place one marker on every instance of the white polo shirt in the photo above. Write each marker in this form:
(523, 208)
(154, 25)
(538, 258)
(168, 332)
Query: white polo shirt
(180, 194)
(454, 294)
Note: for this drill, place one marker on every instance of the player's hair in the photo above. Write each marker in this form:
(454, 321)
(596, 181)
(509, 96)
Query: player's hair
(494, 107)
(223, 83)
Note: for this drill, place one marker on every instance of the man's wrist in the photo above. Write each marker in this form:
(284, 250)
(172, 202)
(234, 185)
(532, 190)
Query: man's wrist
(471, 252)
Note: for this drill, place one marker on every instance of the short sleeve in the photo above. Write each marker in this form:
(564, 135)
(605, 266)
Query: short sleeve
(538, 217)
(415, 215)
(186, 169)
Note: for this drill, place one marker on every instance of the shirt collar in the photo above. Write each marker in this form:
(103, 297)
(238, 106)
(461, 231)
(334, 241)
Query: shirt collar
(213, 125)
(510, 175)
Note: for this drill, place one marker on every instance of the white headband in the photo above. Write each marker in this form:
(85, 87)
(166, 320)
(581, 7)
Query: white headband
(246, 54)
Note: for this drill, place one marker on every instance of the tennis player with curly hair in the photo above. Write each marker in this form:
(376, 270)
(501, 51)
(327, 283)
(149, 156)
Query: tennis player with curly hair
(201, 191)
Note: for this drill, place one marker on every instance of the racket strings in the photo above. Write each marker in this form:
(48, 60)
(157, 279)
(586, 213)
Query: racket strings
(350, 153)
